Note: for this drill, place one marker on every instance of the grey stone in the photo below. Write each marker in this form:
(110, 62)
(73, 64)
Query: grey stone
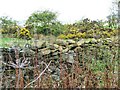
(55, 53)
(71, 55)
(72, 46)
(53, 46)
(65, 50)
(93, 40)
(56, 77)
(80, 42)
(45, 51)
(61, 42)
(70, 41)
(65, 56)
(56, 46)
(41, 44)
(54, 57)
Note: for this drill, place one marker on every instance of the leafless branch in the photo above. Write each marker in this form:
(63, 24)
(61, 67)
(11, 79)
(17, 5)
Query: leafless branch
(39, 75)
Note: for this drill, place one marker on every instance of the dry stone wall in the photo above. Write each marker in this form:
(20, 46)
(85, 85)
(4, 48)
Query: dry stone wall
(64, 52)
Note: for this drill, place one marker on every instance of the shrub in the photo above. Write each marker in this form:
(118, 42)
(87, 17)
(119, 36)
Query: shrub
(2, 31)
(24, 34)
(62, 36)
(81, 35)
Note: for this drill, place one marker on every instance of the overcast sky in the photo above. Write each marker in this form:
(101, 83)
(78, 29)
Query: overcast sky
(68, 10)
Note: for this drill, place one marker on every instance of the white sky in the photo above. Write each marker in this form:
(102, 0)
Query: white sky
(68, 10)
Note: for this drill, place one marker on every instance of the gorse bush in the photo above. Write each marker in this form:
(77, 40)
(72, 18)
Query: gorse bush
(2, 31)
(88, 29)
(46, 23)
(23, 33)
(7, 25)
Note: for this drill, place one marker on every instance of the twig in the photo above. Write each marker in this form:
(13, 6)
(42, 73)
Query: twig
(38, 76)
(12, 64)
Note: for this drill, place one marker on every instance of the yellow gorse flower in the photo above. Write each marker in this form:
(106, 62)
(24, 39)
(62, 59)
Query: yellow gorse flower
(24, 33)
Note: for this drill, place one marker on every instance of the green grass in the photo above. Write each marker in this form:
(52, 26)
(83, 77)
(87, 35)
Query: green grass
(8, 42)
(5, 41)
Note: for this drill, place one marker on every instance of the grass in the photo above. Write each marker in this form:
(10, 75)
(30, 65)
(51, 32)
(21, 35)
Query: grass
(8, 42)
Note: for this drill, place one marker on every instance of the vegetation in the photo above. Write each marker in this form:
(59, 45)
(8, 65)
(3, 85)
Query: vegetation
(8, 26)
(88, 65)
(48, 54)
(89, 29)
(24, 34)
(44, 22)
